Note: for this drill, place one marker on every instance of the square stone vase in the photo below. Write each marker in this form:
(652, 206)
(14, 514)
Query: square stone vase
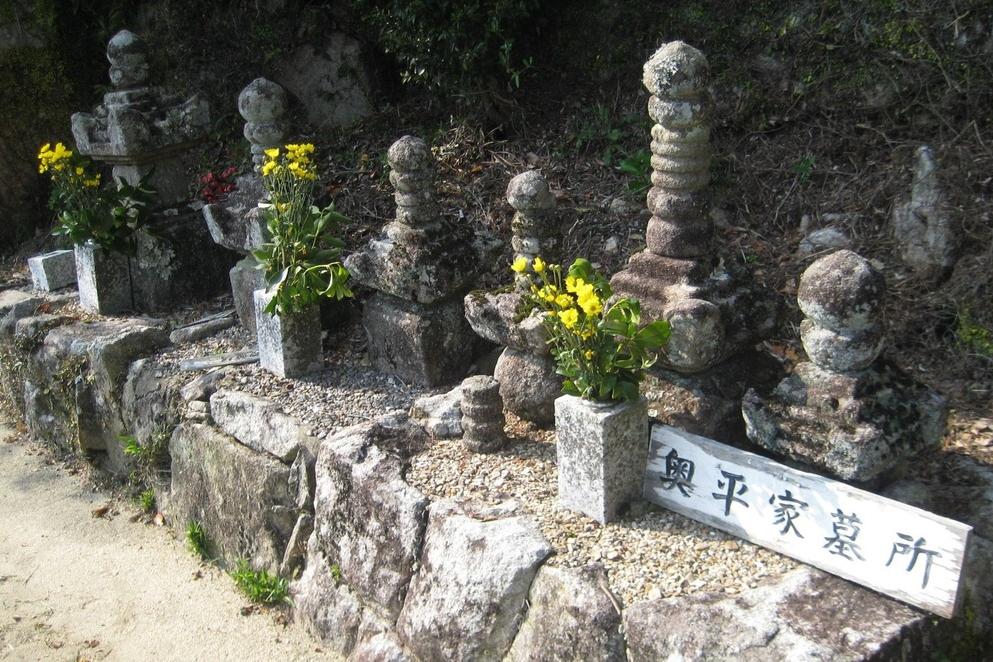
(289, 345)
(104, 280)
(602, 452)
(53, 271)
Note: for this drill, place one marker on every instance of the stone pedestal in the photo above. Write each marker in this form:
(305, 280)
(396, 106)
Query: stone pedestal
(289, 345)
(245, 278)
(428, 345)
(53, 271)
(104, 280)
(602, 452)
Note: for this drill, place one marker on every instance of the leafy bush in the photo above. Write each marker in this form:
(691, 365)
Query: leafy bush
(598, 348)
(302, 259)
(445, 44)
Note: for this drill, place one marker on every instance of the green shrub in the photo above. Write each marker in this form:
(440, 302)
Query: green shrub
(259, 585)
(452, 44)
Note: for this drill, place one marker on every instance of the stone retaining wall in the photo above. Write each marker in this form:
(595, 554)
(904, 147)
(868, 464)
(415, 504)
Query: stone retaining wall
(381, 571)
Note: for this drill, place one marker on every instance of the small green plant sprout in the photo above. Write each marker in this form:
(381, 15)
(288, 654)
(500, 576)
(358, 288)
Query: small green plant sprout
(804, 168)
(601, 349)
(146, 501)
(336, 573)
(973, 336)
(302, 260)
(196, 539)
(259, 585)
(638, 166)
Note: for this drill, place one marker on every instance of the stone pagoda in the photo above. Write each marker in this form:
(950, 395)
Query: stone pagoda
(420, 269)
(525, 370)
(845, 411)
(236, 222)
(142, 130)
(714, 312)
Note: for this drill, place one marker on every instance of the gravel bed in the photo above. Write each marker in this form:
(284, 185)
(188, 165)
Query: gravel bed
(651, 553)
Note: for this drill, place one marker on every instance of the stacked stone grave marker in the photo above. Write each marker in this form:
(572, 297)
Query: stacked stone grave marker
(482, 414)
(525, 370)
(845, 411)
(236, 222)
(142, 130)
(715, 311)
(420, 267)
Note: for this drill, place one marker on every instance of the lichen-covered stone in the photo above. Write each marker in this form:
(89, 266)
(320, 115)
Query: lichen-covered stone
(246, 278)
(104, 280)
(855, 426)
(570, 617)
(259, 424)
(466, 599)
(263, 103)
(482, 415)
(601, 454)
(241, 497)
(496, 317)
(924, 225)
(529, 385)
(149, 403)
(426, 345)
(440, 415)
(289, 344)
(369, 521)
(323, 604)
(841, 292)
(53, 271)
(808, 615)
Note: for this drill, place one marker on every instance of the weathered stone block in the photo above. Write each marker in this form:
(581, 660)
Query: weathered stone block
(466, 599)
(440, 415)
(259, 424)
(808, 615)
(601, 453)
(104, 280)
(289, 345)
(570, 617)
(323, 604)
(245, 278)
(427, 345)
(149, 403)
(529, 385)
(494, 317)
(241, 497)
(53, 271)
(368, 519)
(177, 263)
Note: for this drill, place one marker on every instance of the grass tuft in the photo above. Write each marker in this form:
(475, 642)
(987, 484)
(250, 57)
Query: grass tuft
(196, 539)
(259, 585)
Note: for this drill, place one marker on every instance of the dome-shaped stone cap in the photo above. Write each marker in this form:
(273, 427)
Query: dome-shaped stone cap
(262, 101)
(676, 70)
(529, 191)
(841, 292)
(410, 154)
(126, 48)
(480, 387)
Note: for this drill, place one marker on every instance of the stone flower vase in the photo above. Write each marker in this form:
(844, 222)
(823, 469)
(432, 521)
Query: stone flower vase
(104, 280)
(289, 345)
(602, 452)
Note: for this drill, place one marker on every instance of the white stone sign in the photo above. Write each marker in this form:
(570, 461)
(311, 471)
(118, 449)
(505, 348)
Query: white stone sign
(896, 549)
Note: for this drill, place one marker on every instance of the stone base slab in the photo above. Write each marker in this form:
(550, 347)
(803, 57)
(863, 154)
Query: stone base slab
(289, 345)
(53, 271)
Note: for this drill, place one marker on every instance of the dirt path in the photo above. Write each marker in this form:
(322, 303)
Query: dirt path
(77, 587)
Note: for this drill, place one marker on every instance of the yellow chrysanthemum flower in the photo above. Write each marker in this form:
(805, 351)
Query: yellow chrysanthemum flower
(538, 265)
(569, 317)
(588, 354)
(563, 301)
(591, 304)
(272, 153)
(520, 265)
(269, 167)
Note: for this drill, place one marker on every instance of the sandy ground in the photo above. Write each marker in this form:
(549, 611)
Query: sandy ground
(78, 587)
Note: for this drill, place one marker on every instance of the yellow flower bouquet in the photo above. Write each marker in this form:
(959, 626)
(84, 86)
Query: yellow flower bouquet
(107, 216)
(599, 346)
(302, 259)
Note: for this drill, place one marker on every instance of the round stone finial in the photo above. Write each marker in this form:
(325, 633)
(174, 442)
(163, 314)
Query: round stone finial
(841, 292)
(676, 70)
(262, 101)
(127, 54)
(528, 191)
(410, 154)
